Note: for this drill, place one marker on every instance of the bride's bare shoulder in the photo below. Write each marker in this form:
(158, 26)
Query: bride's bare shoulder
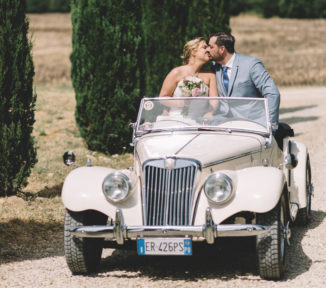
(178, 72)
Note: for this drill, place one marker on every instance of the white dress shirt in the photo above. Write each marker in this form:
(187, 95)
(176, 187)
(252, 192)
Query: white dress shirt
(229, 65)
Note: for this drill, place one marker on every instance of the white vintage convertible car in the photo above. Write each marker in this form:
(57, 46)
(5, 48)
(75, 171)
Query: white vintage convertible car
(203, 168)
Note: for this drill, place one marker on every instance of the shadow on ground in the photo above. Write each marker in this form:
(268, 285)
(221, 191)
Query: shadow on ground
(27, 240)
(227, 259)
(293, 120)
(295, 109)
(47, 192)
(32, 229)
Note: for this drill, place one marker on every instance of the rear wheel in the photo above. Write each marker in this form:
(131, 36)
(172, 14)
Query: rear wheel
(271, 246)
(304, 214)
(83, 255)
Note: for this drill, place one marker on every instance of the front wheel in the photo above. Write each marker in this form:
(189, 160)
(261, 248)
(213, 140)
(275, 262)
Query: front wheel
(83, 255)
(271, 246)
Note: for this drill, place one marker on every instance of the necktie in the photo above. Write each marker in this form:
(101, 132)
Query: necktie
(225, 78)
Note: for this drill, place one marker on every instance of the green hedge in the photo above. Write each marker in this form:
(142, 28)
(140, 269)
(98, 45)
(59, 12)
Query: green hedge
(301, 8)
(168, 25)
(43, 6)
(122, 51)
(282, 8)
(17, 101)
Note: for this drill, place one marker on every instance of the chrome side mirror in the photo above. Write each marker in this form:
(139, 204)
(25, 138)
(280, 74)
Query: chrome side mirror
(290, 162)
(69, 158)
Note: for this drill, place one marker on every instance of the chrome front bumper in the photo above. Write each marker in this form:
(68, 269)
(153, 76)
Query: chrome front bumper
(209, 231)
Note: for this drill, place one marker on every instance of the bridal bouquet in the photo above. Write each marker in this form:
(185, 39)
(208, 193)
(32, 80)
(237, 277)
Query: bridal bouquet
(192, 88)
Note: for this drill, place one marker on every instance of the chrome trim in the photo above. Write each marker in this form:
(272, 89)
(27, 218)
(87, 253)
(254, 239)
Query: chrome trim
(230, 158)
(168, 193)
(89, 162)
(192, 139)
(69, 159)
(268, 143)
(126, 178)
(290, 162)
(119, 227)
(294, 208)
(143, 100)
(228, 179)
(209, 231)
(198, 163)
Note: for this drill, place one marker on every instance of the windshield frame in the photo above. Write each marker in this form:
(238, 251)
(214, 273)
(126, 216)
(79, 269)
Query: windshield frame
(138, 133)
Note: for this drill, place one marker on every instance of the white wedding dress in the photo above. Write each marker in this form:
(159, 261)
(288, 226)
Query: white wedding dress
(190, 86)
(185, 88)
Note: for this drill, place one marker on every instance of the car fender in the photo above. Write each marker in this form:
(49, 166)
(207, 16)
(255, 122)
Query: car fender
(298, 180)
(82, 190)
(257, 189)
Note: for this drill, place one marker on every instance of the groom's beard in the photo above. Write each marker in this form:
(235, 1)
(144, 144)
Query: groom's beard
(218, 57)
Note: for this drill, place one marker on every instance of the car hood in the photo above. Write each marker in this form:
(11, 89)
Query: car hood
(205, 148)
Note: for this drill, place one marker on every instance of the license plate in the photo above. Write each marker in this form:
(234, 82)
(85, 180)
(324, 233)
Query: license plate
(164, 246)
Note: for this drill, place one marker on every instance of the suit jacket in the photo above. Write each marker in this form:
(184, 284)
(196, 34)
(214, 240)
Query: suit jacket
(249, 78)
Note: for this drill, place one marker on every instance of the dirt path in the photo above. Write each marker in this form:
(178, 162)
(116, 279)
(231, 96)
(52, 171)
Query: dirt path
(233, 265)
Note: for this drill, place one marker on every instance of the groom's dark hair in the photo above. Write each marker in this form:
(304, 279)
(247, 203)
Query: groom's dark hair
(224, 39)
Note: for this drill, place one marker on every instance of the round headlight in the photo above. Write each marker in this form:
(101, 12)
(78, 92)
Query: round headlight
(218, 187)
(116, 186)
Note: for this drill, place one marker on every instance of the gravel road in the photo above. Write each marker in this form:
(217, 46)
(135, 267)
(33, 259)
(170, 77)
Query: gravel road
(233, 262)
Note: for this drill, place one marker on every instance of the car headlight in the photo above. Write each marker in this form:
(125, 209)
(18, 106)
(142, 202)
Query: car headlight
(218, 187)
(116, 186)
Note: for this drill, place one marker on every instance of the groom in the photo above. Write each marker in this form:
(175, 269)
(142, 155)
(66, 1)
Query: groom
(238, 75)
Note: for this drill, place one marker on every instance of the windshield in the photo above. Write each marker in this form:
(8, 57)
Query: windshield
(203, 113)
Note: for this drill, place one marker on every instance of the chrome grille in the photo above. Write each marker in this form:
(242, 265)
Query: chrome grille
(168, 191)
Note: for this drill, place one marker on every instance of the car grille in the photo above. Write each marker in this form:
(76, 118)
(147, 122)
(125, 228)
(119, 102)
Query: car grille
(168, 191)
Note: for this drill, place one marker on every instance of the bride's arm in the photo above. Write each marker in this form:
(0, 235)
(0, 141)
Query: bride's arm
(212, 85)
(170, 83)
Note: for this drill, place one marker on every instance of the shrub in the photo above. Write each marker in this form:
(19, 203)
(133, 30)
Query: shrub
(17, 152)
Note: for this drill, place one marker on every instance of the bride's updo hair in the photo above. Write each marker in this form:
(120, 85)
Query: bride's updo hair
(190, 46)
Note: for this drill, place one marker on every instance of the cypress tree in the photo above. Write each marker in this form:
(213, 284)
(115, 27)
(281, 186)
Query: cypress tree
(43, 6)
(319, 8)
(168, 25)
(207, 17)
(106, 71)
(163, 28)
(296, 8)
(122, 51)
(17, 101)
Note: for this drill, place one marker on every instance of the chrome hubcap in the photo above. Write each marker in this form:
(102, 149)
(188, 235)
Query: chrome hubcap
(286, 232)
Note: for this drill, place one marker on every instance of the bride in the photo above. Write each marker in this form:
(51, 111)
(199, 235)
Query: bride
(190, 80)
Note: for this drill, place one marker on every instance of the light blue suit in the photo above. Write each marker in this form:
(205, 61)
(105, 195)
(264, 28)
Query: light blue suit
(249, 78)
